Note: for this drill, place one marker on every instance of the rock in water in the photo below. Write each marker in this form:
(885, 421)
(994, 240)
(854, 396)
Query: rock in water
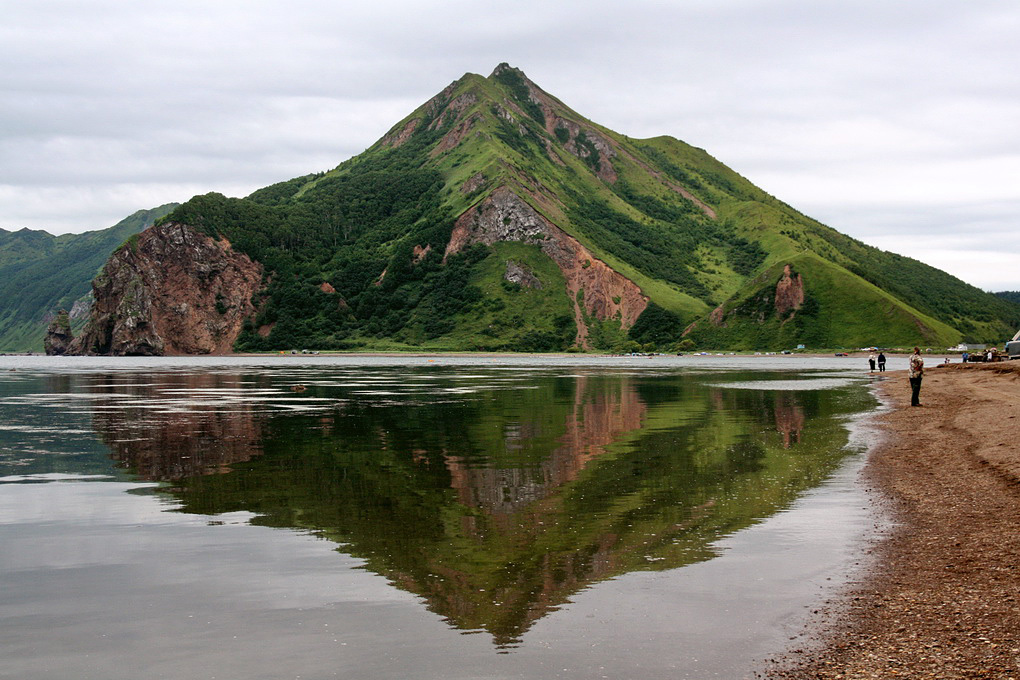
(58, 335)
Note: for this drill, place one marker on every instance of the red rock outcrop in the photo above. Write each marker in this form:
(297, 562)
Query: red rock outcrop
(419, 253)
(505, 216)
(521, 275)
(397, 137)
(789, 292)
(593, 143)
(441, 108)
(452, 138)
(474, 183)
(171, 291)
(454, 109)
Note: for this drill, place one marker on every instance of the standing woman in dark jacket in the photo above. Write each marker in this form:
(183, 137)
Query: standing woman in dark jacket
(915, 373)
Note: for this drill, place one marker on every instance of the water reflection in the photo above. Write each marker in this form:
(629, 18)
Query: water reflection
(161, 443)
(492, 496)
(789, 418)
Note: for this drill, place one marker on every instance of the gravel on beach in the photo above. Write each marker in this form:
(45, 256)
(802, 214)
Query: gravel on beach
(941, 598)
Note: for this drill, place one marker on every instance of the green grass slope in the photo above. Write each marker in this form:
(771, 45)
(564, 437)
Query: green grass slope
(840, 310)
(917, 290)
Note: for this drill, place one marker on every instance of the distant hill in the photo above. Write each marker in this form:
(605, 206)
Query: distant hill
(41, 273)
(1011, 295)
(494, 217)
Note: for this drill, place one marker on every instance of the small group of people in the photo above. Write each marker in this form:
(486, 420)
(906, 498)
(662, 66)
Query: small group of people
(880, 360)
(991, 354)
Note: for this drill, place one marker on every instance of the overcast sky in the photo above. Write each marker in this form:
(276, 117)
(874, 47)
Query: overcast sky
(894, 121)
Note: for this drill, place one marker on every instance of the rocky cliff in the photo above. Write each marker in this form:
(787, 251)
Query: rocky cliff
(789, 292)
(170, 290)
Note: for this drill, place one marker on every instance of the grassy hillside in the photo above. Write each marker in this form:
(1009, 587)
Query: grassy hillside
(919, 292)
(840, 310)
(41, 273)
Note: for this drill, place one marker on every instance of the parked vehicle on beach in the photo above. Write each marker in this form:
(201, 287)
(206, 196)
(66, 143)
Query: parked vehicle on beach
(1013, 347)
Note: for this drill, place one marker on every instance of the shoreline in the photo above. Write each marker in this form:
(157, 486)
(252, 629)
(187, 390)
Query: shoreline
(939, 596)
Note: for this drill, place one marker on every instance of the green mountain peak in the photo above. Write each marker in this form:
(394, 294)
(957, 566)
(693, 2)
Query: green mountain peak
(503, 67)
(494, 217)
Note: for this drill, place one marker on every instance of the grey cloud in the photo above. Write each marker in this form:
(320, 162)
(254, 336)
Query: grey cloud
(879, 118)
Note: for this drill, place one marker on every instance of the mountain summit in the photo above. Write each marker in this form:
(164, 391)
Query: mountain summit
(494, 217)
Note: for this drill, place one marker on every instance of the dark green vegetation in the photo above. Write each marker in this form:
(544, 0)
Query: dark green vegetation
(41, 274)
(497, 505)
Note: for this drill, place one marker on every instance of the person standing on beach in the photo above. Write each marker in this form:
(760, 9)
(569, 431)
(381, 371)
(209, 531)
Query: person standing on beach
(881, 361)
(915, 373)
(871, 361)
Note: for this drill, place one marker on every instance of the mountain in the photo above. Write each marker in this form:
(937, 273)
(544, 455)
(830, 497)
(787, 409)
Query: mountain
(494, 217)
(41, 274)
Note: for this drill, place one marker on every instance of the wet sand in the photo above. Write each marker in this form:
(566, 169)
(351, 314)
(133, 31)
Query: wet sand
(940, 597)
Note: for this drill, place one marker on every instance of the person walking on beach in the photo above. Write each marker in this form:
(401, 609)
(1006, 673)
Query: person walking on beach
(871, 361)
(881, 361)
(915, 373)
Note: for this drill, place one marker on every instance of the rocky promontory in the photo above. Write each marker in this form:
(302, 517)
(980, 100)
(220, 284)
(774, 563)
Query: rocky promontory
(170, 290)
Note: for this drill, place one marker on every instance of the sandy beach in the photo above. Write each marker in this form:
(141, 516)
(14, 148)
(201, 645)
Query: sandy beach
(941, 596)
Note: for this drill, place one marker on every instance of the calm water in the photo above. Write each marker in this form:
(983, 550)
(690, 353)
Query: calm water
(300, 517)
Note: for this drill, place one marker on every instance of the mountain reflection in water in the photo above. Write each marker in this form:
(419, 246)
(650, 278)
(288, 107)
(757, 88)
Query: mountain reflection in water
(494, 497)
